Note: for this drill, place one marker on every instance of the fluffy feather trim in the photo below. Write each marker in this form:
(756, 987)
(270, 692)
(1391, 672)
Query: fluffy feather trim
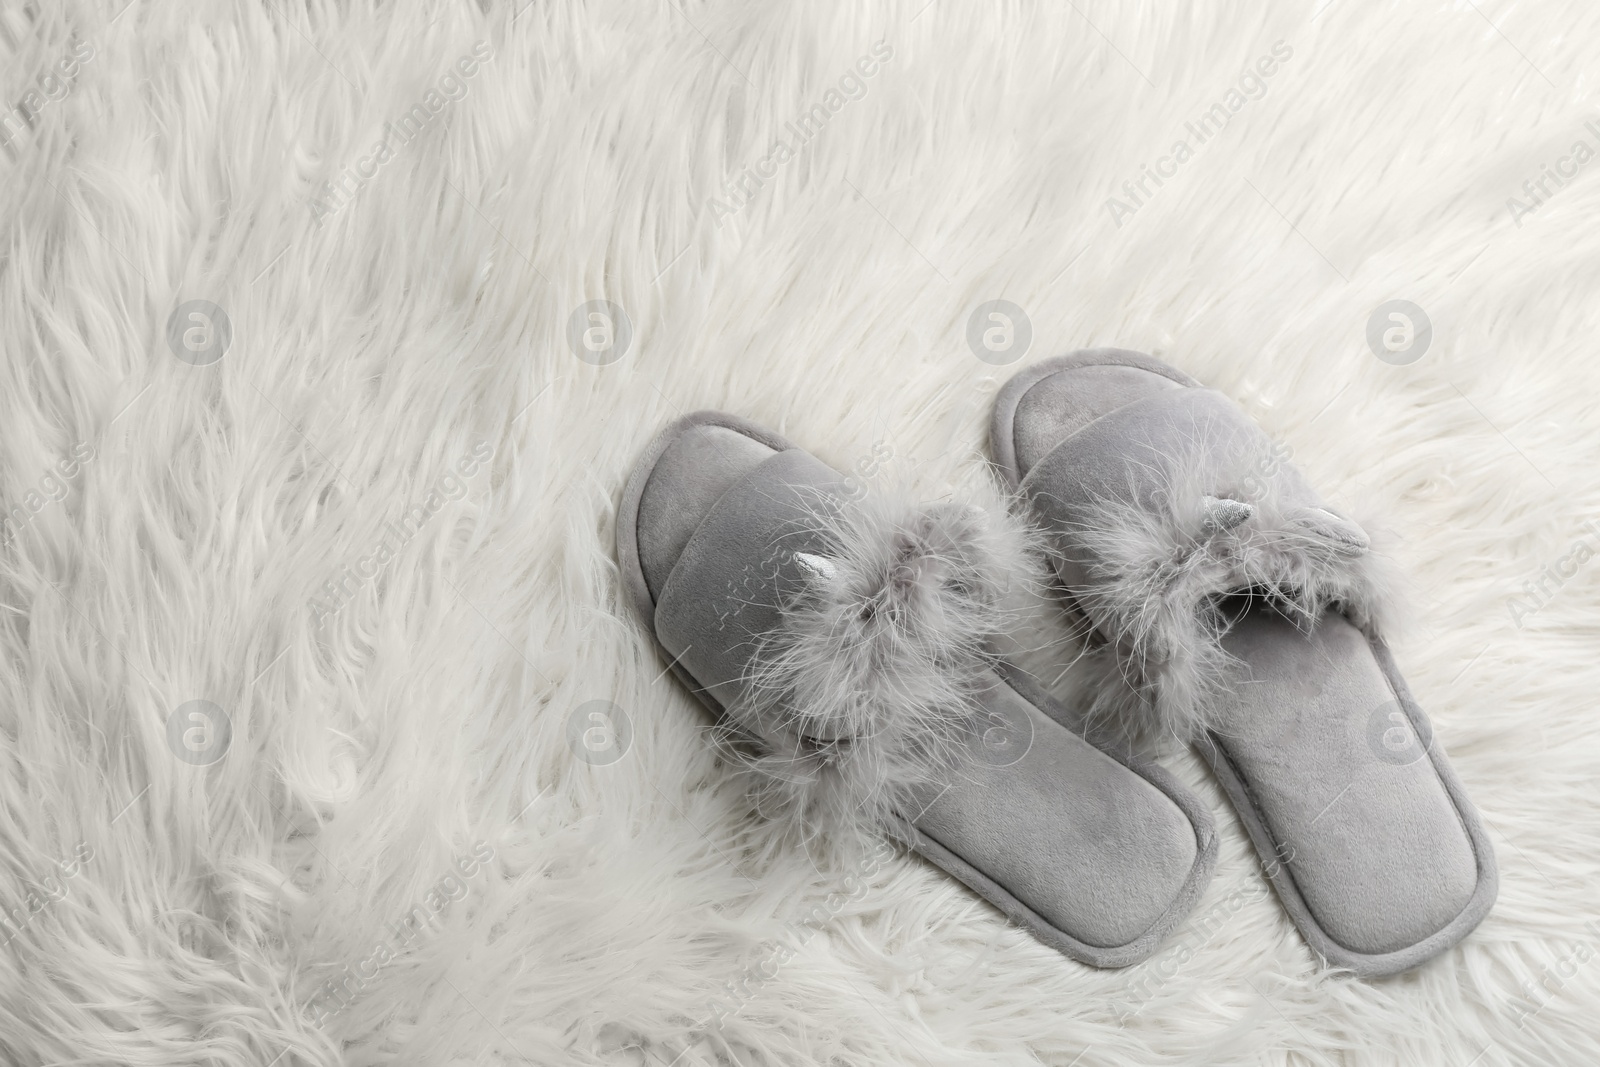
(1165, 578)
(868, 687)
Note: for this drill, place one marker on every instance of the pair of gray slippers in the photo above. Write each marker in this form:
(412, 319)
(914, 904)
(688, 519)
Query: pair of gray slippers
(845, 645)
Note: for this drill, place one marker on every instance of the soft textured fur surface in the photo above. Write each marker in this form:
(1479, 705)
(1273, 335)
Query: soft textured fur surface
(1168, 560)
(631, 911)
(869, 685)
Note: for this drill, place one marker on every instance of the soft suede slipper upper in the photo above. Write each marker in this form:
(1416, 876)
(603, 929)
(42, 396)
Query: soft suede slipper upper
(1233, 607)
(843, 647)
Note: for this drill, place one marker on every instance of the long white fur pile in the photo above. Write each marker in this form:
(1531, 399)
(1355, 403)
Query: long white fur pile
(631, 909)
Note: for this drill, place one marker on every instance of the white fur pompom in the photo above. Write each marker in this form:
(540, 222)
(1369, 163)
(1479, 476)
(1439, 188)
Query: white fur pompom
(868, 686)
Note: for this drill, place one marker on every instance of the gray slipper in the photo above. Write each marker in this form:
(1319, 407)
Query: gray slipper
(1229, 605)
(843, 647)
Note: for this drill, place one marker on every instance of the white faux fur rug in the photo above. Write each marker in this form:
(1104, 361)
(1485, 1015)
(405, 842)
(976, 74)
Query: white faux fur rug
(311, 438)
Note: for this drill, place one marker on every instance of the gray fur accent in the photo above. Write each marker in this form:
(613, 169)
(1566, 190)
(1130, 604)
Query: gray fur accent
(868, 686)
(1159, 572)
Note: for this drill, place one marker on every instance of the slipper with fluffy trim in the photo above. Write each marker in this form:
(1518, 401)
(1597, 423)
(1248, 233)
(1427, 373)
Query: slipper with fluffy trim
(843, 647)
(1229, 605)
